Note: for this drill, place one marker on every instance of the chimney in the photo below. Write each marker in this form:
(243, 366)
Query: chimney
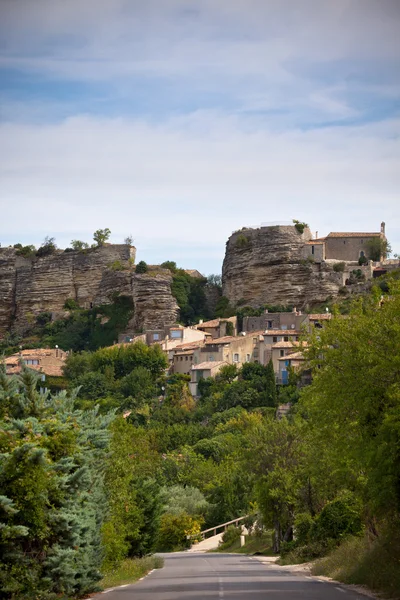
(294, 309)
(316, 234)
(266, 311)
(383, 227)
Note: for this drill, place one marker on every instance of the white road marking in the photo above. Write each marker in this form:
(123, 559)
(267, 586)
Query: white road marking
(221, 588)
(340, 589)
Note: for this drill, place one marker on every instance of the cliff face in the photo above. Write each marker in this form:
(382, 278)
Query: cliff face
(29, 287)
(266, 266)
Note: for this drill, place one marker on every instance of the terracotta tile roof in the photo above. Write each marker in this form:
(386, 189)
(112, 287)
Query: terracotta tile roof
(339, 234)
(223, 340)
(210, 364)
(184, 353)
(315, 242)
(189, 345)
(215, 322)
(288, 344)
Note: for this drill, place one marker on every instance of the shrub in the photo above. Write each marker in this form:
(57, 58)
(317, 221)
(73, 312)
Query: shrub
(117, 265)
(242, 241)
(362, 260)
(339, 267)
(339, 518)
(230, 535)
(71, 304)
(141, 267)
(299, 225)
(25, 251)
(48, 247)
(169, 264)
(176, 530)
(43, 318)
(79, 245)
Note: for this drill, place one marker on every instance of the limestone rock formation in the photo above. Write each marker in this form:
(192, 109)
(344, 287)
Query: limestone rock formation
(29, 287)
(266, 266)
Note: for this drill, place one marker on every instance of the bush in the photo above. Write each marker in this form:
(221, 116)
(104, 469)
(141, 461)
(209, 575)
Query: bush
(176, 530)
(141, 267)
(339, 518)
(78, 245)
(25, 251)
(117, 265)
(361, 561)
(242, 241)
(339, 267)
(47, 248)
(230, 535)
(299, 225)
(71, 304)
(362, 260)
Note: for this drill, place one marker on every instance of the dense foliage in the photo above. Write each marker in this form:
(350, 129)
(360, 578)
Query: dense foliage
(52, 502)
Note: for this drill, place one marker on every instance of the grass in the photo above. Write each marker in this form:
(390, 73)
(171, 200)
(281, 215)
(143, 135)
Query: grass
(255, 544)
(130, 570)
(359, 561)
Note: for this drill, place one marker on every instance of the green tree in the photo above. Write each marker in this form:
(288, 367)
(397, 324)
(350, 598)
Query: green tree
(378, 247)
(141, 267)
(79, 245)
(52, 501)
(48, 247)
(100, 236)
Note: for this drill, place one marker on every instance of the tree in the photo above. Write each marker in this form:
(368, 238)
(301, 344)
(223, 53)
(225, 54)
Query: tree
(78, 245)
(141, 267)
(48, 247)
(169, 264)
(378, 247)
(128, 240)
(100, 236)
(52, 502)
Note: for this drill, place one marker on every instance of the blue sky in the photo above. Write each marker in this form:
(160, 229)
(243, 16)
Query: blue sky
(179, 121)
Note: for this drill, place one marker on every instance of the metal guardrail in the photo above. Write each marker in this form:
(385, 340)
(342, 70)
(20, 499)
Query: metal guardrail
(214, 529)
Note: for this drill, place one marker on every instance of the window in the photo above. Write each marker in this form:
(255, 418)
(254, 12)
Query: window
(344, 241)
(156, 336)
(176, 334)
(31, 361)
(281, 352)
(269, 324)
(186, 358)
(312, 249)
(274, 339)
(284, 327)
(286, 338)
(236, 357)
(247, 357)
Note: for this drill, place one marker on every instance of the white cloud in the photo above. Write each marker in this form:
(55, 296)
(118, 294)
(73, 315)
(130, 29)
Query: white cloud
(186, 177)
(193, 181)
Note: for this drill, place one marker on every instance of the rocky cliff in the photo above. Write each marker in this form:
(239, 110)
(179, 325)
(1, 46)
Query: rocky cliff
(267, 266)
(29, 287)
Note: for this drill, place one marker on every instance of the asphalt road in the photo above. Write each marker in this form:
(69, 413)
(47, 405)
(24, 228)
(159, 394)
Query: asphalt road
(193, 576)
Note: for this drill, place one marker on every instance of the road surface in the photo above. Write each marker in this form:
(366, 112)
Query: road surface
(190, 576)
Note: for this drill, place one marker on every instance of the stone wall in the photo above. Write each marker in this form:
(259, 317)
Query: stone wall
(29, 287)
(267, 266)
(347, 248)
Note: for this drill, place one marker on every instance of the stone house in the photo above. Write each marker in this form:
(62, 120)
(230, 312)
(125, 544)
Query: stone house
(342, 246)
(48, 361)
(295, 361)
(282, 350)
(230, 349)
(220, 327)
(203, 371)
(293, 320)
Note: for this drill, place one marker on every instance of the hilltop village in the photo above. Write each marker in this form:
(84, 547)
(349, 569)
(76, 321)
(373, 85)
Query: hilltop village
(280, 265)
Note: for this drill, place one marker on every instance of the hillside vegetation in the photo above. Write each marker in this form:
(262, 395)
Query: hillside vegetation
(125, 462)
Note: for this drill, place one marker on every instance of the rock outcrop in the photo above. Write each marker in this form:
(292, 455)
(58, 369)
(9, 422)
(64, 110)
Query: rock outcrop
(29, 287)
(266, 266)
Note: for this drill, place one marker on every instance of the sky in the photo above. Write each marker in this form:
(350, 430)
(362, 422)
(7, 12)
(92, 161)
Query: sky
(180, 121)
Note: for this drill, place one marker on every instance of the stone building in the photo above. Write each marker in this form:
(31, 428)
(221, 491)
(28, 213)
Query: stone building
(347, 247)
